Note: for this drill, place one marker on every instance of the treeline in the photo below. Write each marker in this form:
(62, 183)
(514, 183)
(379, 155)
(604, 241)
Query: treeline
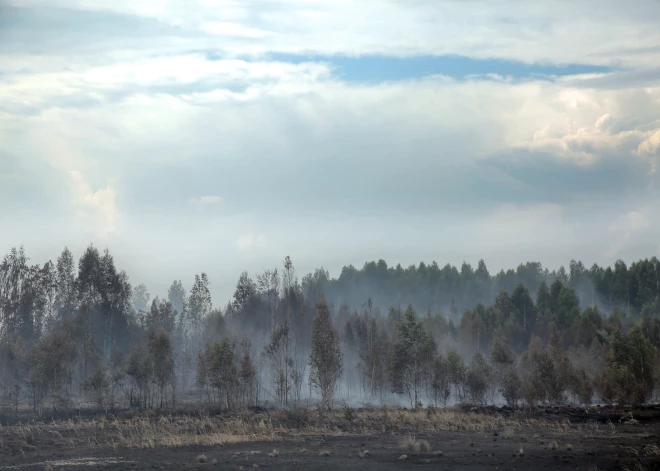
(633, 288)
(75, 333)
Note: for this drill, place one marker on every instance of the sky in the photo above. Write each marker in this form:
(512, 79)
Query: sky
(221, 136)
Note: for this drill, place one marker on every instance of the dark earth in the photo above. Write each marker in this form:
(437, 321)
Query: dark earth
(581, 444)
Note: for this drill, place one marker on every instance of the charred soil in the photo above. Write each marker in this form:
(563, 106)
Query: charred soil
(476, 439)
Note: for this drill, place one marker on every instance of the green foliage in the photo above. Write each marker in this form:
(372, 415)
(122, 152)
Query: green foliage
(478, 378)
(60, 324)
(51, 364)
(501, 354)
(512, 388)
(161, 316)
(412, 356)
(546, 378)
(139, 369)
(582, 387)
(162, 360)
(457, 371)
(325, 359)
(97, 385)
(629, 377)
(441, 381)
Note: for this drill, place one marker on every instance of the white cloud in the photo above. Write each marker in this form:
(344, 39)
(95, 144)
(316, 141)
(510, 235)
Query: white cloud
(250, 241)
(135, 122)
(630, 222)
(222, 28)
(97, 209)
(543, 31)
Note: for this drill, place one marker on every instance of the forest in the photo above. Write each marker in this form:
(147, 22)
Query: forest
(78, 335)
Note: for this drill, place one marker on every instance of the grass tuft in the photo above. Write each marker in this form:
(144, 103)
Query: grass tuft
(363, 453)
(651, 450)
(403, 457)
(408, 443)
(438, 453)
(201, 459)
(324, 453)
(422, 446)
(274, 453)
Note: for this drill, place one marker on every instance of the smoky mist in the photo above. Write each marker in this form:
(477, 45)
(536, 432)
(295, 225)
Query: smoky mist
(77, 334)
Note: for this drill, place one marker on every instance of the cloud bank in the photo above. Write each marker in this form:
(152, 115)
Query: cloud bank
(222, 136)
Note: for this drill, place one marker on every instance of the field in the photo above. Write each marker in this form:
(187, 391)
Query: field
(476, 439)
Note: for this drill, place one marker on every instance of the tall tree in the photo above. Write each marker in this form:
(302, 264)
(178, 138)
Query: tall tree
(200, 300)
(245, 290)
(161, 316)
(176, 295)
(160, 349)
(140, 298)
(412, 357)
(65, 291)
(13, 274)
(326, 359)
(268, 286)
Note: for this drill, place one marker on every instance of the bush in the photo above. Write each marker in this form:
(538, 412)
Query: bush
(297, 418)
(349, 413)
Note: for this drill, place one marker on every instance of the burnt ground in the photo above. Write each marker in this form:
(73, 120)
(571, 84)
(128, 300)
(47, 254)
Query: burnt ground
(582, 445)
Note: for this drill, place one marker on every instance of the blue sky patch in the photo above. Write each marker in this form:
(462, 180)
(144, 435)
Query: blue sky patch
(374, 68)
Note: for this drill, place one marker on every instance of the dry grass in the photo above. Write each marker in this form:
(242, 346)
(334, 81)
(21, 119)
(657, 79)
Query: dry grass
(651, 450)
(422, 446)
(274, 453)
(552, 445)
(637, 466)
(410, 443)
(569, 447)
(438, 453)
(324, 453)
(201, 459)
(150, 431)
(363, 453)
(645, 460)
(508, 433)
(403, 457)
(48, 467)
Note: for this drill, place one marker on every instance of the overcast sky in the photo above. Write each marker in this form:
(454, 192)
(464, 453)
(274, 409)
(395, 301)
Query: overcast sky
(200, 135)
